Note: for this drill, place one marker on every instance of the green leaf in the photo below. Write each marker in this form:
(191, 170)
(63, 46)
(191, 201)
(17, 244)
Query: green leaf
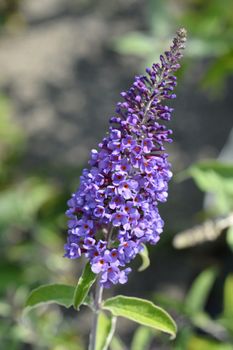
(84, 284)
(117, 344)
(61, 294)
(20, 203)
(145, 259)
(134, 43)
(217, 178)
(142, 338)
(228, 298)
(10, 274)
(218, 71)
(203, 322)
(141, 311)
(207, 344)
(105, 330)
(182, 339)
(199, 291)
(229, 237)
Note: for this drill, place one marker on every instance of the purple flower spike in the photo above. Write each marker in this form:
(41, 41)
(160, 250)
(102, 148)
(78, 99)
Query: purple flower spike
(115, 209)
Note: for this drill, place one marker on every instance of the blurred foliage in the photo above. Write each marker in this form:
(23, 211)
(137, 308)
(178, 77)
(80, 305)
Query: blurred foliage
(31, 246)
(192, 319)
(12, 142)
(210, 31)
(32, 207)
(31, 222)
(197, 329)
(138, 310)
(11, 17)
(216, 178)
(142, 339)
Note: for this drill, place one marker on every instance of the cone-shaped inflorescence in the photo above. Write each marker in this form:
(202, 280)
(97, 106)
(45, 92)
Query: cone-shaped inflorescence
(115, 209)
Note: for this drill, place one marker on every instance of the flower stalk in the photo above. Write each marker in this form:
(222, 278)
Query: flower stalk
(96, 311)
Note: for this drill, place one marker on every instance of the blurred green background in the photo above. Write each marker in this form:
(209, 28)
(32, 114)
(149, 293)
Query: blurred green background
(63, 64)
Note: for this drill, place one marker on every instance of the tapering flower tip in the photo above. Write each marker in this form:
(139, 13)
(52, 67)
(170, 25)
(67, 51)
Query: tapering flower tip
(115, 209)
(181, 37)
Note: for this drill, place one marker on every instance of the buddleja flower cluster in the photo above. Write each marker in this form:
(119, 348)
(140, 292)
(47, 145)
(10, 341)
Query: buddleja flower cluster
(115, 209)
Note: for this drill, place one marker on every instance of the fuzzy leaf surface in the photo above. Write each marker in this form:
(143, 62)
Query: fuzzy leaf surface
(141, 311)
(60, 294)
(83, 286)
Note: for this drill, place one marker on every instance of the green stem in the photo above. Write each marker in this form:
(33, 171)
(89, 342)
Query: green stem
(111, 333)
(97, 307)
(97, 303)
